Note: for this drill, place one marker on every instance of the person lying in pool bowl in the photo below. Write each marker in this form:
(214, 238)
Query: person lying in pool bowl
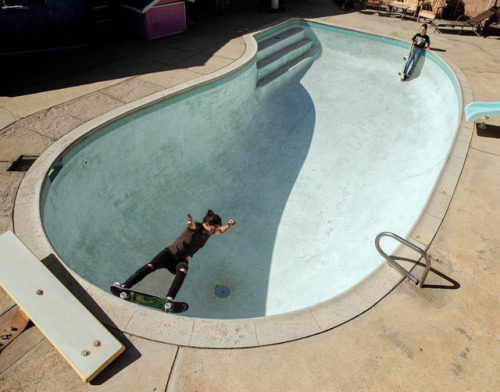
(419, 44)
(175, 256)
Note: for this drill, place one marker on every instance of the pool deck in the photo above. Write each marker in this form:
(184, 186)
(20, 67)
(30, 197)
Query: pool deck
(445, 336)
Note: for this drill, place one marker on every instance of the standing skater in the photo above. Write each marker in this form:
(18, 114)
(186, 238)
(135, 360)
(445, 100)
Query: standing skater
(175, 257)
(419, 43)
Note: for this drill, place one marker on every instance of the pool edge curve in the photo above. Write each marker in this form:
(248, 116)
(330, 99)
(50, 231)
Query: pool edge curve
(239, 333)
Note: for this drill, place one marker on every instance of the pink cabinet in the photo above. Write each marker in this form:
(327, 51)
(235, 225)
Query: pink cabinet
(168, 17)
(155, 19)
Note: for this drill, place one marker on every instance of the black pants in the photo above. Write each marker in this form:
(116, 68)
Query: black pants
(164, 259)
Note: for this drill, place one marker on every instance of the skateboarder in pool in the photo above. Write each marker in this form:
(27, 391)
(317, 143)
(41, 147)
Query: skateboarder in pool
(175, 257)
(419, 43)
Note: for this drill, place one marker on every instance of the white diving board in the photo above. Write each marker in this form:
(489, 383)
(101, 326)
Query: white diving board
(80, 338)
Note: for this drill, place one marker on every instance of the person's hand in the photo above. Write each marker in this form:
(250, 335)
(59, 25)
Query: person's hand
(231, 222)
(190, 220)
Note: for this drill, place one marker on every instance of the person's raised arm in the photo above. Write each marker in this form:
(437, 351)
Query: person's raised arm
(190, 222)
(223, 229)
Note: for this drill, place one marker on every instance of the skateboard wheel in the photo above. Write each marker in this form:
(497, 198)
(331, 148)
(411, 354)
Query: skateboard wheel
(123, 295)
(168, 306)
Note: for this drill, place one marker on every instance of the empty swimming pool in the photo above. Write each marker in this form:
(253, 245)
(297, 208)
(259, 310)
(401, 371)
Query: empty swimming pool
(313, 163)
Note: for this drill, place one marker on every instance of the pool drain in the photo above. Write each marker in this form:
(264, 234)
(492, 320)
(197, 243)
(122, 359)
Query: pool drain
(222, 291)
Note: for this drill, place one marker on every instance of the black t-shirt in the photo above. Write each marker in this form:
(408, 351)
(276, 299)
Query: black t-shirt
(420, 41)
(189, 241)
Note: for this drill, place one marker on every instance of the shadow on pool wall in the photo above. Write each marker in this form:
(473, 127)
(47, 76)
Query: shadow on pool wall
(217, 147)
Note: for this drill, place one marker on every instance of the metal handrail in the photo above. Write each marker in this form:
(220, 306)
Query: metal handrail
(396, 265)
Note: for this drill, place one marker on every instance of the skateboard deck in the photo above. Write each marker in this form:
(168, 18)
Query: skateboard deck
(401, 74)
(150, 300)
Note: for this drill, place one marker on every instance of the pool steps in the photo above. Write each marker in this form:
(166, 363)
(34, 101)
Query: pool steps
(288, 70)
(283, 54)
(278, 41)
(269, 64)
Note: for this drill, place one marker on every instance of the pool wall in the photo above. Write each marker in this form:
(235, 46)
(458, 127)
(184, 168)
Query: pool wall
(215, 333)
(190, 171)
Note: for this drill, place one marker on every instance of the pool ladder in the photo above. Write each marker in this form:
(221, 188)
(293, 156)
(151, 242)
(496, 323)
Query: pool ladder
(398, 267)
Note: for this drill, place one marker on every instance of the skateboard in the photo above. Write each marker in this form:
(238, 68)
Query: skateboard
(401, 74)
(150, 300)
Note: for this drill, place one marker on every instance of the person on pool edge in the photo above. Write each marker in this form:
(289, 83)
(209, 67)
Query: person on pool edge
(175, 257)
(419, 43)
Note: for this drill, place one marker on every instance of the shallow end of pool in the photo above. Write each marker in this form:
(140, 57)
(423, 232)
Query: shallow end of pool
(253, 332)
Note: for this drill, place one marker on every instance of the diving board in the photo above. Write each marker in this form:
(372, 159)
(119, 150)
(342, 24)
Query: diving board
(475, 110)
(80, 338)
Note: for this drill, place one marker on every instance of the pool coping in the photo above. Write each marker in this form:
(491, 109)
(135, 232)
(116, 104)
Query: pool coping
(252, 332)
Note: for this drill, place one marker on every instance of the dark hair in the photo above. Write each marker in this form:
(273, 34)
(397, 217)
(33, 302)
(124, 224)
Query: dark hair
(425, 25)
(212, 219)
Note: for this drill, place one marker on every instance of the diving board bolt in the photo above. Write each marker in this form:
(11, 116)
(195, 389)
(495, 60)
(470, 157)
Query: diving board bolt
(85, 353)
(39, 292)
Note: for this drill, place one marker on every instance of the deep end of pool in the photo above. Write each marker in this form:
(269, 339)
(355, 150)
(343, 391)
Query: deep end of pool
(293, 185)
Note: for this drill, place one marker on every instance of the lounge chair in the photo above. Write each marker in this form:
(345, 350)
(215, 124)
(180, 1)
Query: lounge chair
(473, 23)
(491, 29)
(415, 5)
(492, 24)
(435, 12)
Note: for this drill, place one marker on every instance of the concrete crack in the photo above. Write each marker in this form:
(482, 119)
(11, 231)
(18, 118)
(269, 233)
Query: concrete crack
(484, 152)
(172, 368)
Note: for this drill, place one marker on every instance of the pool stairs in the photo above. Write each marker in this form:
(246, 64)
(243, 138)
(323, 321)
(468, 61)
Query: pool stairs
(283, 55)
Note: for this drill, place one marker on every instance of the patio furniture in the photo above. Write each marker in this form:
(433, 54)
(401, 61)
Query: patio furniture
(473, 23)
(373, 4)
(435, 12)
(493, 29)
(401, 7)
(492, 24)
(415, 6)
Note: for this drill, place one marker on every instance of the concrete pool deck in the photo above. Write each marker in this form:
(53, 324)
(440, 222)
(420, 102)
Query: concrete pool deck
(444, 336)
